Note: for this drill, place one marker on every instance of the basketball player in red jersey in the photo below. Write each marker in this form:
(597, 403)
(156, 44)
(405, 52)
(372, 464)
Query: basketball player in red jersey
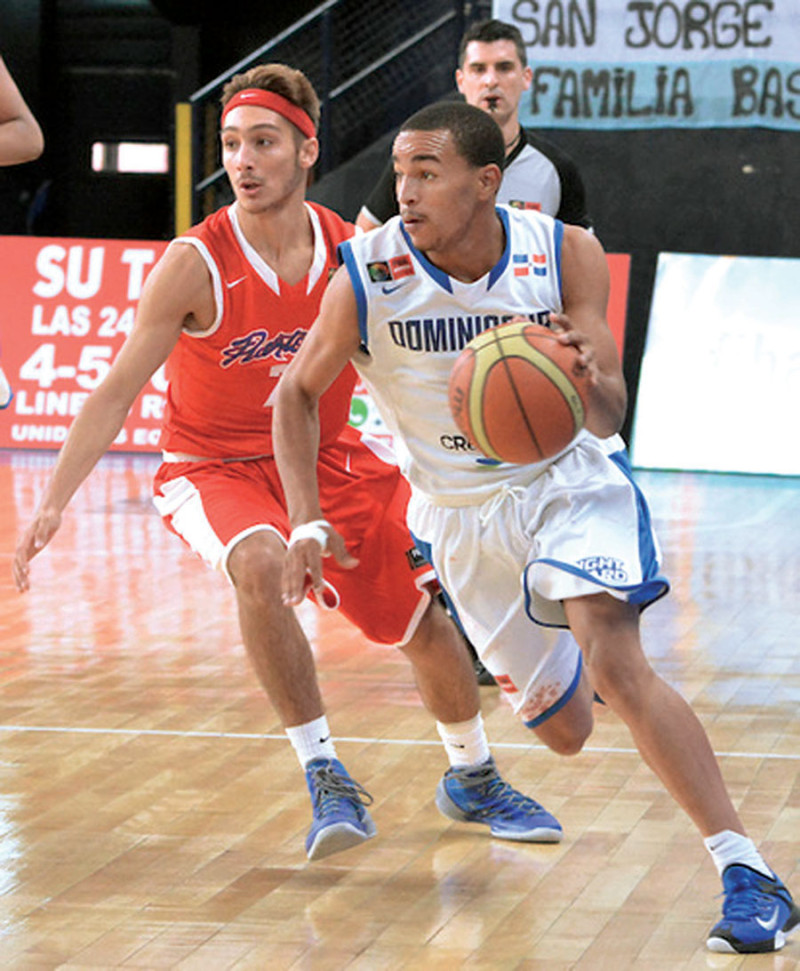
(227, 307)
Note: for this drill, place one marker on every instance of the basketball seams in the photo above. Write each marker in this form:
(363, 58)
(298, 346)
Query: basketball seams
(557, 375)
(502, 362)
(505, 361)
(479, 379)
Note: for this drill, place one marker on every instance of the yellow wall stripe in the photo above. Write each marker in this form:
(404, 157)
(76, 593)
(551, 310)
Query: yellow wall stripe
(183, 167)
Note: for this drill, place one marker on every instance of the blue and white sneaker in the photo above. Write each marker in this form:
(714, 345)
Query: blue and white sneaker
(480, 795)
(758, 913)
(338, 803)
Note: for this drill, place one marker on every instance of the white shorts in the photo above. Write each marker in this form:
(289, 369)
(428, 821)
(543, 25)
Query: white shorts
(580, 527)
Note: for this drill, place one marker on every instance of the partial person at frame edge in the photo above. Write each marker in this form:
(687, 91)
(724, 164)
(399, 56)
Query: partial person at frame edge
(21, 140)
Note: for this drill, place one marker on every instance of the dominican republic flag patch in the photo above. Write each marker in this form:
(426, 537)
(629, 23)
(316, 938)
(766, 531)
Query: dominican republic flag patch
(394, 268)
(525, 264)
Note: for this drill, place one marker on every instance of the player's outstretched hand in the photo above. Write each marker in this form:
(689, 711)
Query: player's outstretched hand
(302, 568)
(33, 541)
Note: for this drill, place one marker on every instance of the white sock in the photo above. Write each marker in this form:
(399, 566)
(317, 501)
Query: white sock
(312, 740)
(728, 847)
(465, 742)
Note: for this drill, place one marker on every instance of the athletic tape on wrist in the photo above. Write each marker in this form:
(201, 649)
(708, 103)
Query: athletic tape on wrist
(317, 529)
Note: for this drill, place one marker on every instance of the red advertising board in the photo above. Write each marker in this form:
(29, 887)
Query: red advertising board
(619, 266)
(66, 306)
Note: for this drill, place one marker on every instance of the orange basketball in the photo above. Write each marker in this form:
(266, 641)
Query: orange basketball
(517, 393)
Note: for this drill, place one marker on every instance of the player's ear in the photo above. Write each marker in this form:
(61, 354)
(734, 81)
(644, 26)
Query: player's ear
(489, 178)
(309, 152)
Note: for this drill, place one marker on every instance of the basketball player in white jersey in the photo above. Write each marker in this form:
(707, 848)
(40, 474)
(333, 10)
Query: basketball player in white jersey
(561, 543)
(493, 74)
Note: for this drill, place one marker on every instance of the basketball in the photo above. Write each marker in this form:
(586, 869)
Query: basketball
(517, 393)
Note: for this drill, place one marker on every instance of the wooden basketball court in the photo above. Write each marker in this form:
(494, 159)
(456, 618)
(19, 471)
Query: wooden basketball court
(153, 814)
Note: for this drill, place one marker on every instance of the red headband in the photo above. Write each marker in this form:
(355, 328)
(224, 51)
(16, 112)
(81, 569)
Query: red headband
(275, 102)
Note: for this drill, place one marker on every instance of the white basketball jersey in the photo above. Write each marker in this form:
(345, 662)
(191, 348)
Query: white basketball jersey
(415, 320)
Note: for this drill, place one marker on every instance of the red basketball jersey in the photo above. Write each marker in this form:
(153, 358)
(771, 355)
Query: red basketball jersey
(222, 381)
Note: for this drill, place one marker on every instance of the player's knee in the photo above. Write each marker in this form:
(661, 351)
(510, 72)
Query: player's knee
(568, 730)
(255, 565)
(567, 739)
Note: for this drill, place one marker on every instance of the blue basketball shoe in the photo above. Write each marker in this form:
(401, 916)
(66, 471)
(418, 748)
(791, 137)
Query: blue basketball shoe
(480, 795)
(757, 915)
(338, 802)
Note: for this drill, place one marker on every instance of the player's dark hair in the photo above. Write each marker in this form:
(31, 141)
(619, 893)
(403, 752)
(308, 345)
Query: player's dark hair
(476, 134)
(489, 31)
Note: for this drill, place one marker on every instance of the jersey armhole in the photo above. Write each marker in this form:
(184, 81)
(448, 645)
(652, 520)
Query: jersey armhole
(347, 257)
(216, 285)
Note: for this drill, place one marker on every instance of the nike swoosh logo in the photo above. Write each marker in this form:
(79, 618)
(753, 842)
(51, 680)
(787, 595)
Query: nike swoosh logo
(772, 923)
(388, 289)
(323, 740)
(234, 282)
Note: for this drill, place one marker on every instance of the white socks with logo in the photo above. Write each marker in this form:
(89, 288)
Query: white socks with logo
(312, 740)
(465, 742)
(728, 847)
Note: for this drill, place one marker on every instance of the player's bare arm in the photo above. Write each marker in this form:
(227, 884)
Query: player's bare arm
(177, 293)
(329, 345)
(21, 138)
(585, 287)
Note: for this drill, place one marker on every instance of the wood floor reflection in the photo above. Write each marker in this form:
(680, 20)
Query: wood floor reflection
(153, 815)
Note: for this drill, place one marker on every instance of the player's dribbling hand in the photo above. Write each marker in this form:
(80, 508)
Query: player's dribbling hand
(563, 327)
(33, 541)
(302, 568)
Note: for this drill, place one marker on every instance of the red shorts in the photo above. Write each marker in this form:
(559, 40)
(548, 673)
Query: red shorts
(214, 504)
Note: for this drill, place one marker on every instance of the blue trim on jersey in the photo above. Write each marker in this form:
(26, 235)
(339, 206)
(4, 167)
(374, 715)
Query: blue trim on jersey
(440, 277)
(654, 585)
(345, 251)
(558, 239)
(500, 267)
(645, 593)
(437, 275)
(554, 709)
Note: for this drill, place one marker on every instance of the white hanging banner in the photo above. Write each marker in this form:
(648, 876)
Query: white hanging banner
(619, 64)
(719, 387)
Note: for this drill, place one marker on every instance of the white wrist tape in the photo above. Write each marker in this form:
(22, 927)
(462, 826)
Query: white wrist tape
(317, 530)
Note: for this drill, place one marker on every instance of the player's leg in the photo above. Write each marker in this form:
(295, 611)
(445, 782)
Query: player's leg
(275, 642)
(758, 910)
(567, 729)
(281, 656)
(664, 727)
(232, 517)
